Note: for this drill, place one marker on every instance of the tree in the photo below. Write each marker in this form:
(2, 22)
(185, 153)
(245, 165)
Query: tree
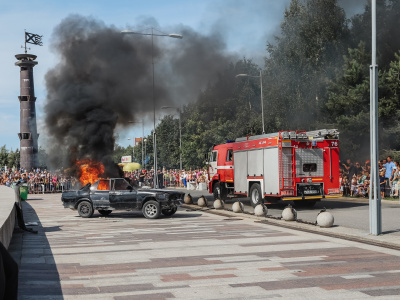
(168, 142)
(3, 156)
(348, 104)
(120, 151)
(13, 158)
(302, 61)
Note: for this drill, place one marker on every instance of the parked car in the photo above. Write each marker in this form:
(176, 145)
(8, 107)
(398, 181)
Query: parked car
(107, 195)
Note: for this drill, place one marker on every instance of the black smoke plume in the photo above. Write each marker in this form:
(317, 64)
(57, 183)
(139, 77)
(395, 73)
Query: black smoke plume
(104, 79)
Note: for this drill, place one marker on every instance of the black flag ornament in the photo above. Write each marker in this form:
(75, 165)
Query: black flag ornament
(32, 38)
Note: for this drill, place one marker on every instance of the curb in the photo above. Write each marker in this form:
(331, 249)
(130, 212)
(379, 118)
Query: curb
(299, 226)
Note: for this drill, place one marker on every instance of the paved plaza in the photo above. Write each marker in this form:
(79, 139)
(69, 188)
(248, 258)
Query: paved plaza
(192, 255)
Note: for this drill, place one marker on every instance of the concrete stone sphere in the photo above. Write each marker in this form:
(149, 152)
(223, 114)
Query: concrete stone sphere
(288, 215)
(325, 219)
(188, 199)
(236, 207)
(259, 210)
(202, 202)
(218, 204)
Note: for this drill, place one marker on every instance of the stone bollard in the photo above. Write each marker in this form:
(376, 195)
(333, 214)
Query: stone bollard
(219, 204)
(188, 199)
(325, 219)
(260, 210)
(237, 207)
(289, 213)
(202, 202)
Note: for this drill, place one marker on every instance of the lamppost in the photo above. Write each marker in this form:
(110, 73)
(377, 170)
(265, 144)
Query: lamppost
(142, 135)
(180, 132)
(145, 153)
(375, 208)
(262, 102)
(152, 34)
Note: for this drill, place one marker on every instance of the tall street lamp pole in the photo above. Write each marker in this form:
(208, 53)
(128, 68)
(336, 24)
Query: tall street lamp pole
(375, 210)
(180, 132)
(142, 136)
(171, 35)
(262, 102)
(145, 152)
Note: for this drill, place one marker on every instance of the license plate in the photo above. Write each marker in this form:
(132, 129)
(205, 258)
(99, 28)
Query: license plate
(308, 192)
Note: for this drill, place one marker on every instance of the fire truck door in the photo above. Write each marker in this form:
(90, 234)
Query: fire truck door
(212, 166)
(229, 166)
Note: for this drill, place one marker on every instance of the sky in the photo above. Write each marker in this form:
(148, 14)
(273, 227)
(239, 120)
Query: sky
(245, 26)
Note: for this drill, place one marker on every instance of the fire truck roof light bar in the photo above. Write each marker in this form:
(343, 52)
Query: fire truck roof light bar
(321, 133)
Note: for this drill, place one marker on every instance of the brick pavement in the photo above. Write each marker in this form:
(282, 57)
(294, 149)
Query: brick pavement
(193, 255)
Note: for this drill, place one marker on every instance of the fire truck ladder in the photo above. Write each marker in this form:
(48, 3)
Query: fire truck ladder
(287, 183)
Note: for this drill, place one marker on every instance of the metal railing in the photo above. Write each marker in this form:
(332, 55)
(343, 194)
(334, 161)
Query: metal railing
(42, 188)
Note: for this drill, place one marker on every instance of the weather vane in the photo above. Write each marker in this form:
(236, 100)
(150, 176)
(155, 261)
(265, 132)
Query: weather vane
(32, 38)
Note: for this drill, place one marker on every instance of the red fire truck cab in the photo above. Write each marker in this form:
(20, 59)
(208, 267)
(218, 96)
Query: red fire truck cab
(287, 165)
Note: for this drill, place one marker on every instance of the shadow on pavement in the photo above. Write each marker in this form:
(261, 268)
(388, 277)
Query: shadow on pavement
(180, 214)
(38, 275)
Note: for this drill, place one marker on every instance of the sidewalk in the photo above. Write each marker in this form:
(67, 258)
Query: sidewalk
(192, 255)
(390, 239)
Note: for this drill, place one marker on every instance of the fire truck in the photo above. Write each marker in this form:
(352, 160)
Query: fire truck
(287, 165)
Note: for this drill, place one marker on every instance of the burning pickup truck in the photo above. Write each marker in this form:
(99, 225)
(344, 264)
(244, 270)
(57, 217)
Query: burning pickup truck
(107, 195)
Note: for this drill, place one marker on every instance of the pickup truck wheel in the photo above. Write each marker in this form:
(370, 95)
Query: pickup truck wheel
(219, 192)
(169, 212)
(104, 212)
(85, 209)
(151, 209)
(255, 195)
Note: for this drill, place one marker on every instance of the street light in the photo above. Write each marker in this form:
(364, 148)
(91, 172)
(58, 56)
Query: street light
(152, 34)
(180, 132)
(262, 102)
(142, 135)
(145, 152)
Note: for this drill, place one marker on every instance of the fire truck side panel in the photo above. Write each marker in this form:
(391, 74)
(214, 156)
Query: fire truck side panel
(271, 171)
(309, 162)
(255, 165)
(240, 171)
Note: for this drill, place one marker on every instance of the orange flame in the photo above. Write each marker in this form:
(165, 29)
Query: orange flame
(89, 171)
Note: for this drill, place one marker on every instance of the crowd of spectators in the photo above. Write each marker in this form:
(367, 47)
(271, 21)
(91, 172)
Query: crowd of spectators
(168, 178)
(355, 178)
(43, 181)
(37, 180)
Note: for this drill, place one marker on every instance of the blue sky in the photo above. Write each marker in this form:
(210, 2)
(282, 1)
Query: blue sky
(246, 25)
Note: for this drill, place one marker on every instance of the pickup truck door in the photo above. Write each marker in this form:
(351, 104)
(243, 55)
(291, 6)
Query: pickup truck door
(99, 192)
(122, 195)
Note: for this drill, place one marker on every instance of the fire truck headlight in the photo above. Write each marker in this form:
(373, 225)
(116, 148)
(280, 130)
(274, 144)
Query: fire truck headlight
(303, 180)
(309, 180)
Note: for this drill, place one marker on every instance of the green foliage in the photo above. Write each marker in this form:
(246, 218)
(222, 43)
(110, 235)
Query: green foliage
(120, 151)
(3, 156)
(302, 62)
(168, 141)
(9, 158)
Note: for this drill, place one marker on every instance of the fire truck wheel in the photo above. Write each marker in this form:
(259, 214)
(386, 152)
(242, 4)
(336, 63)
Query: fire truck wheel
(85, 209)
(219, 192)
(305, 203)
(255, 195)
